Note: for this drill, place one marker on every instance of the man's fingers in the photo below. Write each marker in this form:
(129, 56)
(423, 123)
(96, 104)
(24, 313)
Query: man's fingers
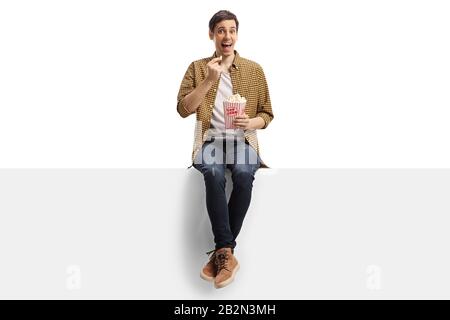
(216, 60)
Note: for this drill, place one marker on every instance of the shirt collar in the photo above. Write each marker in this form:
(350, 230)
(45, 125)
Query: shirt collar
(236, 61)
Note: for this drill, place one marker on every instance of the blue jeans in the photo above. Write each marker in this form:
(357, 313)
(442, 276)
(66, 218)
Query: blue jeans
(238, 156)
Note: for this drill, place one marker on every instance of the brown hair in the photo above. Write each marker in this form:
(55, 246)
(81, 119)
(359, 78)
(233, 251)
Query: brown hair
(220, 16)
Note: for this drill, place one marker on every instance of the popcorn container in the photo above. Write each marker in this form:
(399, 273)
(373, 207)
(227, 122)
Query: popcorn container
(230, 111)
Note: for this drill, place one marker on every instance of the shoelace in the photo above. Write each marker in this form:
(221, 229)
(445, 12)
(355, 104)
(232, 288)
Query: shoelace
(211, 254)
(222, 261)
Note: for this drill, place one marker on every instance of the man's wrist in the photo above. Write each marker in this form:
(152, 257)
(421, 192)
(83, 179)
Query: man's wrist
(208, 83)
(257, 123)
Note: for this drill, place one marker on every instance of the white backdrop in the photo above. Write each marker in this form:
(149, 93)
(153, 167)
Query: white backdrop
(353, 83)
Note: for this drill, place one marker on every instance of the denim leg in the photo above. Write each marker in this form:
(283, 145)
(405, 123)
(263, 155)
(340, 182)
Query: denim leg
(243, 174)
(216, 201)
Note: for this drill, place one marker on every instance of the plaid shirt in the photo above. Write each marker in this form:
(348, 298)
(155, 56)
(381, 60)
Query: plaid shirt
(248, 80)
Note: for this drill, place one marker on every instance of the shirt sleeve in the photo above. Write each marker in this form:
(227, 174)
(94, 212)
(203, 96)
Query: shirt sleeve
(264, 109)
(186, 87)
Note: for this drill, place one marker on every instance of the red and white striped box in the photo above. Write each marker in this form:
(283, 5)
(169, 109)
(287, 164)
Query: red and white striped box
(231, 110)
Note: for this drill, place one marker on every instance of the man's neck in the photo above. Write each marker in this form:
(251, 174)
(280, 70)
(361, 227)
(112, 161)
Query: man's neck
(227, 62)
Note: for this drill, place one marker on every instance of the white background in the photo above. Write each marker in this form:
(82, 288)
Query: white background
(353, 83)
(93, 84)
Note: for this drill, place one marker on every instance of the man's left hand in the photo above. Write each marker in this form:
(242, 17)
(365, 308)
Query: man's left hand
(243, 122)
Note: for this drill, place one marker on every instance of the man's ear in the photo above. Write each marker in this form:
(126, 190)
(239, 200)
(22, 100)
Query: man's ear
(211, 35)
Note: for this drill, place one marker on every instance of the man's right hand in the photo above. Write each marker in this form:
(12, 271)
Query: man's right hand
(213, 69)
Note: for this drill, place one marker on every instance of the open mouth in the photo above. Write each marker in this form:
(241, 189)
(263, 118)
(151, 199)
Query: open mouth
(226, 45)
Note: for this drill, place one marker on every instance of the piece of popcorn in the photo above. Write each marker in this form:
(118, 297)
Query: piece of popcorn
(236, 98)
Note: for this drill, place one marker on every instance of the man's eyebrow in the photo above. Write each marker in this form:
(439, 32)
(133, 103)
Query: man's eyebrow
(225, 28)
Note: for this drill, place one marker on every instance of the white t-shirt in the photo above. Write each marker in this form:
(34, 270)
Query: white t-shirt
(217, 128)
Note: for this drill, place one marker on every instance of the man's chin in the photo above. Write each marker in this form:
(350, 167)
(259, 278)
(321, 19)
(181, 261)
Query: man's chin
(227, 53)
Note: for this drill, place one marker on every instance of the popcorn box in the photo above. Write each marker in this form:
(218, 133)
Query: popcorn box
(230, 111)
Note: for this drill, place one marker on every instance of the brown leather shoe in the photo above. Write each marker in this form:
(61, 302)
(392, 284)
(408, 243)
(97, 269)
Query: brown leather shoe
(209, 271)
(227, 266)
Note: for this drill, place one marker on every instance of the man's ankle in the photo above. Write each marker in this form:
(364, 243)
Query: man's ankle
(229, 247)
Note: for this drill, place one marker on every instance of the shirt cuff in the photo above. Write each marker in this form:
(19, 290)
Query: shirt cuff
(265, 117)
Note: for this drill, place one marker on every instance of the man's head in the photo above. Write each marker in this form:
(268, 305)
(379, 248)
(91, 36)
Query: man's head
(223, 30)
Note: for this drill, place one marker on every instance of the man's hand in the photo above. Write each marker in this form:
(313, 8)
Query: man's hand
(243, 122)
(213, 69)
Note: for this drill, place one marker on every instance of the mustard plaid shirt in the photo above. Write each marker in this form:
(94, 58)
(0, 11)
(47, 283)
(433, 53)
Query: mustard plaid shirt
(248, 80)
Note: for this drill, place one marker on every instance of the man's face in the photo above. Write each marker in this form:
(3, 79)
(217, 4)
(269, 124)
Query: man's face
(224, 37)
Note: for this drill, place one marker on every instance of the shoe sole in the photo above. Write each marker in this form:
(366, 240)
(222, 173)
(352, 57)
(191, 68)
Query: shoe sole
(230, 280)
(205, 277)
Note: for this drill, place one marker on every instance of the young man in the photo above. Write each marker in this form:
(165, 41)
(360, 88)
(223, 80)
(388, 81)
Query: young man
(206, 84)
